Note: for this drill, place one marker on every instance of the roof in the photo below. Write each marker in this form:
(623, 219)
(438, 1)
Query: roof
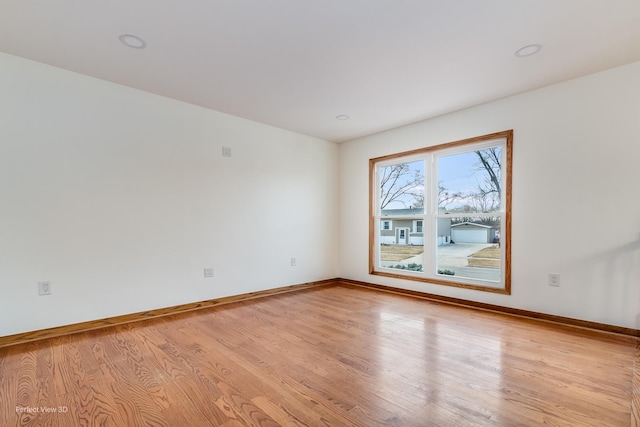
(399, 212)
(472, 224)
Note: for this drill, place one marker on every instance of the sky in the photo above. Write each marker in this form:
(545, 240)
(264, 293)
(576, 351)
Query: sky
(456, 173)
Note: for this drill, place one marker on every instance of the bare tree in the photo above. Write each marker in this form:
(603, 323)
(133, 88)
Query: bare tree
(400, 184)
(418, 197)
(445, 197)
(490, 161)
(486, 198)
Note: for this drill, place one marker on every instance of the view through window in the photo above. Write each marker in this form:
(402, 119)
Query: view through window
(442, 214)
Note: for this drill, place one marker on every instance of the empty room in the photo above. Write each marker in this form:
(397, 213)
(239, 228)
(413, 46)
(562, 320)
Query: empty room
(320, 213)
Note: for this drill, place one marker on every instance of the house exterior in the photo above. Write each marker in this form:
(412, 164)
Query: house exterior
(397, 229)
(469, 232)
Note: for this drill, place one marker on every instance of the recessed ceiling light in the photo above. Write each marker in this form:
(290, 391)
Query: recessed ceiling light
(528, 50)
(342, 117)
(132, 41)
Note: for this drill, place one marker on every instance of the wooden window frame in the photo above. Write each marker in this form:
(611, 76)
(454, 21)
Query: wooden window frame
(505, 214)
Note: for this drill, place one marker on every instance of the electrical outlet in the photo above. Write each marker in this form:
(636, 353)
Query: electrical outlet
(208, 272)
(294, 262)
(44, 288)
(554, 279)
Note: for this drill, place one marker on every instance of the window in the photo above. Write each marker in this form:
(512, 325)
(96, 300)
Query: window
(442, 214)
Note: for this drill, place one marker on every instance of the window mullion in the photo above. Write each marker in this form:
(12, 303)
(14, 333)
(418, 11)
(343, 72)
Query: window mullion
(429, 224)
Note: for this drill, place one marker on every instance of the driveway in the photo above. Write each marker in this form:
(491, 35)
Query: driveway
(449, 256)
(454, 257)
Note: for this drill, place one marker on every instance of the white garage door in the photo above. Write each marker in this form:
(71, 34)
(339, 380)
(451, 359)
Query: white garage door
(469, 236)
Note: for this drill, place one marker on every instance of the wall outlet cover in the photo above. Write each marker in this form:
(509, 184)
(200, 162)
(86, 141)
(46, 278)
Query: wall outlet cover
(44, 287)
(554, 279)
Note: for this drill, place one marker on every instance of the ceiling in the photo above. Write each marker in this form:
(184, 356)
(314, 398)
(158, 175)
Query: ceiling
(297, 64)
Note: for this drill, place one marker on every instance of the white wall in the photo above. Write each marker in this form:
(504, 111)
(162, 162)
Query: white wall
(120, 198)
(576, 202)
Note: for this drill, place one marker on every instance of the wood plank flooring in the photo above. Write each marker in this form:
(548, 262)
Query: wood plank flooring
(327, 356)
(635, 395)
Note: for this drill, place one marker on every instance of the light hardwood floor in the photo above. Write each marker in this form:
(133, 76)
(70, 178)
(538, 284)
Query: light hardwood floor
(332, 355)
